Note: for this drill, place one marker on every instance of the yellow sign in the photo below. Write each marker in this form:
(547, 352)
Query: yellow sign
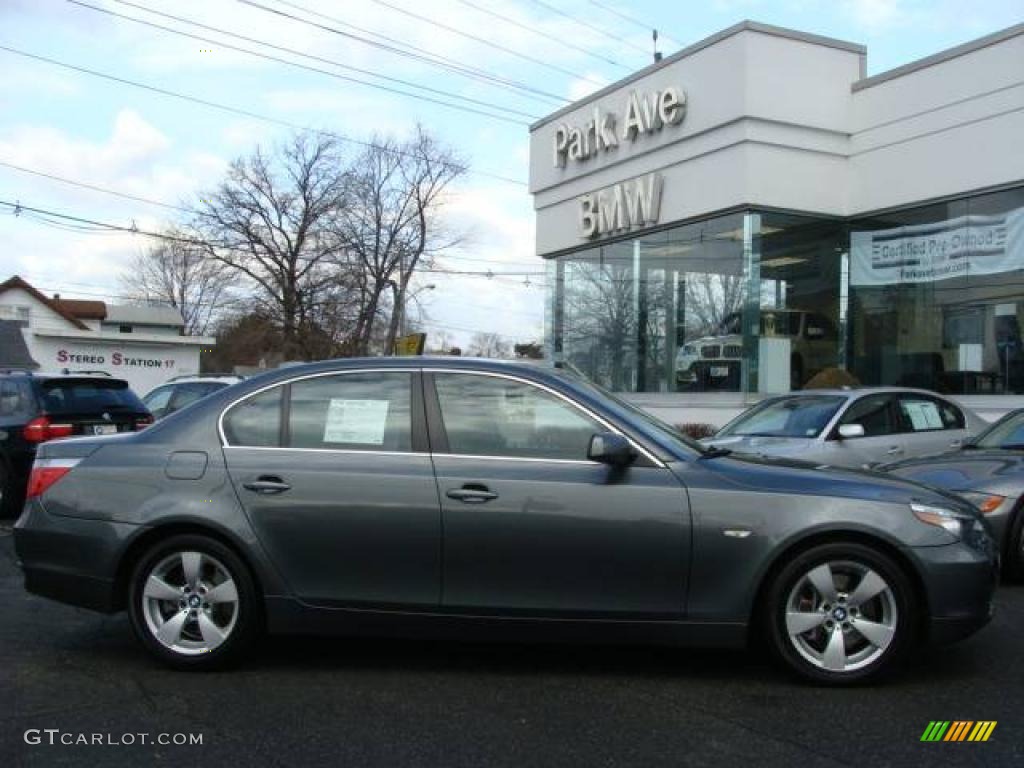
(411, 345)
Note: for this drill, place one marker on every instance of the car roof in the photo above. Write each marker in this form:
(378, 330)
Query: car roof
(860, 391)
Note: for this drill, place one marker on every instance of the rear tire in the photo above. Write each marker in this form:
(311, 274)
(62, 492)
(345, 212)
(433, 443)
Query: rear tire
(10, 507)
(193, 603)
(841, 613)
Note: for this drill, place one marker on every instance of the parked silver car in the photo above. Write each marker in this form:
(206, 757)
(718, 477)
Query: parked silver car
(850, 427)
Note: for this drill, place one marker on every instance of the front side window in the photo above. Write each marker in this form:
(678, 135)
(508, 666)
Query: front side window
(493, 416)
(186, 394)
(354, 411)
(256, 421)
(874, 413)
(803, 416)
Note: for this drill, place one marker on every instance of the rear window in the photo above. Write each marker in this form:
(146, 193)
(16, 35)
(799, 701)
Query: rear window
(89, 396)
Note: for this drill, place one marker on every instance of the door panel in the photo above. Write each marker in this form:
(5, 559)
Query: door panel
(563, 539)
(354, 528)
(883, 440)
(339, 489)
(531, 526)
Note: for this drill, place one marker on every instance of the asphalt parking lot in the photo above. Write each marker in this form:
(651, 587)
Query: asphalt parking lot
(397, 703)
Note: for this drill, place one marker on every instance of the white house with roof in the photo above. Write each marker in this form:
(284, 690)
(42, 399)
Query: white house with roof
(145, 345)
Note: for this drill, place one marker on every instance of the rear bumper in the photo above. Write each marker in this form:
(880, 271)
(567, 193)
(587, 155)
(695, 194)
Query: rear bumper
(960, 583)
(70, 559)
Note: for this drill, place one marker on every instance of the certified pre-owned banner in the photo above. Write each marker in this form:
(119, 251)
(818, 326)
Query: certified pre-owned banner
(967, 245)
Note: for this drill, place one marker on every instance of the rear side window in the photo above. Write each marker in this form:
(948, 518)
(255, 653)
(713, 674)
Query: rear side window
(354, 411)
(925, 414)
(70, 396)
(256, 421)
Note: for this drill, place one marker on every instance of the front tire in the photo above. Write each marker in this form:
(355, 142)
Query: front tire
(841, 613)
(192, 603)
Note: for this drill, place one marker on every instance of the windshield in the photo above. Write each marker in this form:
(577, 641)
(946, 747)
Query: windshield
(89, 396)
(661, 428)
(1008, 431)
(803, 416)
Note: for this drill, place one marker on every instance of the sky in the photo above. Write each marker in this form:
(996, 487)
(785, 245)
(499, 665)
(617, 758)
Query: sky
(137, 142)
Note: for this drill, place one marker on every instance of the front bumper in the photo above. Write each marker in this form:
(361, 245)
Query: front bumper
(70, 559)
(960, 584)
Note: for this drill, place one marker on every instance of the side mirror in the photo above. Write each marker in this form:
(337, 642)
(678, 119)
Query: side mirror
(610, 448)
(851, 430)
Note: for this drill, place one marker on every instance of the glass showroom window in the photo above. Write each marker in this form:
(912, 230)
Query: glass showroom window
(937, 296)
(685, 308)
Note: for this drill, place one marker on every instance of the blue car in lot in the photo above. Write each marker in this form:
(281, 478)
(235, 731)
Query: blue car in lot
(463, 497)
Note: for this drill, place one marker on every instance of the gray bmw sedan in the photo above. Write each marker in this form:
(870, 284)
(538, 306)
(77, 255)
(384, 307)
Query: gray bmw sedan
(468, 497)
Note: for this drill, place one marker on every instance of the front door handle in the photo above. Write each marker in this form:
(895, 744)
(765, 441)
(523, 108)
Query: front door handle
(267, 484)
(472, 494)
(894, 450)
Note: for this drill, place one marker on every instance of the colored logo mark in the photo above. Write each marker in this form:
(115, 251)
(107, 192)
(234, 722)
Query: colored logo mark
(958, 730)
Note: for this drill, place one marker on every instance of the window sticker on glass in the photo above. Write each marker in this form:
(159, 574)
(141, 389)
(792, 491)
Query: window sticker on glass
(356, 421)
(922, 414)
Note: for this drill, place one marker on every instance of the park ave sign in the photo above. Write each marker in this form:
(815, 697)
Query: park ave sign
(643, 114)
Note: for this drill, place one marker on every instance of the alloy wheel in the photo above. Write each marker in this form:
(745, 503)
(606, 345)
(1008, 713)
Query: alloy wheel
(190, 602)
(841, 616)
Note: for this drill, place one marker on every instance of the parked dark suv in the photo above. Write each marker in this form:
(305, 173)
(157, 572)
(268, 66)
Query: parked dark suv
(35, 408)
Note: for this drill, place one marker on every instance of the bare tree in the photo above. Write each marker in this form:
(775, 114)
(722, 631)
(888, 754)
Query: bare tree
(392, 223)
(489, 345)
(180, 274)
(273, 222)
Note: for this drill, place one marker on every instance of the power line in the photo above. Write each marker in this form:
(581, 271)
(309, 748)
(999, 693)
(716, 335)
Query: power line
(18, 209)
(484, 41)
(411, 51)
(539, 32)
(317, 70)
(97, 188)
(233, 110)
(149, 201)
(626, 17)
(589, 26)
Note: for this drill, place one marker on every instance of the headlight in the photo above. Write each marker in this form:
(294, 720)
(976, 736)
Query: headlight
(941, 517)
(985, 502)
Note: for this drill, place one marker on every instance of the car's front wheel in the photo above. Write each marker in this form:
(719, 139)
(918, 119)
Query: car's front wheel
(192, 603)
(841, 613)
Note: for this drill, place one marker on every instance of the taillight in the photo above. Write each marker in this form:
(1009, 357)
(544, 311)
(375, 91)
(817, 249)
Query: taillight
(46, 472)
(41, 429)
(142, 422)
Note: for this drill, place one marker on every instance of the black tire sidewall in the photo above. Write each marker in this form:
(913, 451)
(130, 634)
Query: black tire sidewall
(1013, 556)
(887, 568)
(240, 641)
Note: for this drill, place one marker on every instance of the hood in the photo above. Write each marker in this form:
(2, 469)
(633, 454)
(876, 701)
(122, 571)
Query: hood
(776, 446)
(804, 478)
(964, 470)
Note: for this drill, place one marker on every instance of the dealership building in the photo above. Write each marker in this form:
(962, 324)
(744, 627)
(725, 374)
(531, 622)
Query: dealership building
(752, 211)
(145, 345)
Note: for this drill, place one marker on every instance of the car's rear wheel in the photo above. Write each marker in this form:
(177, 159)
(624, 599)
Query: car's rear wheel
(192, 603)
(841, 613)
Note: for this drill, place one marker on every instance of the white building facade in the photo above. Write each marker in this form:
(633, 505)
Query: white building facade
(751, 211)
(143, 345)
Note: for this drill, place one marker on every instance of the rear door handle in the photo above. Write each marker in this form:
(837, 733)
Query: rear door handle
(472, 494)
(267, 484)
(894, 450)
